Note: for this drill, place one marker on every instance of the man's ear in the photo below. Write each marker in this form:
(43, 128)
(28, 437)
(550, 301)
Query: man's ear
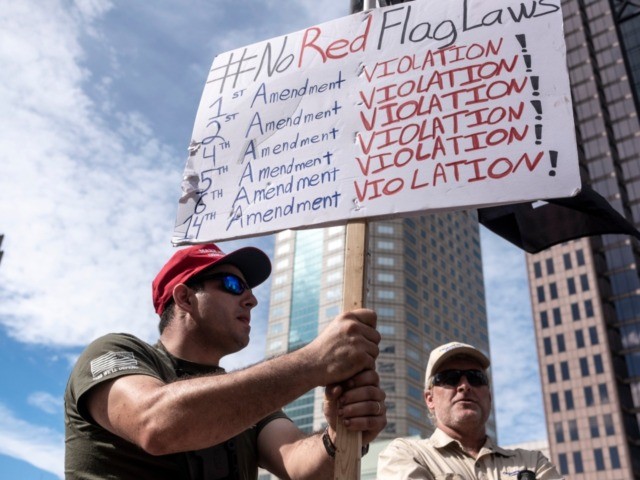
(428, 399)
(183, 297)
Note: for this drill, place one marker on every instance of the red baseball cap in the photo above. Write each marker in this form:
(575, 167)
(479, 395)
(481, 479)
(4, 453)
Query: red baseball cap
(188, 262)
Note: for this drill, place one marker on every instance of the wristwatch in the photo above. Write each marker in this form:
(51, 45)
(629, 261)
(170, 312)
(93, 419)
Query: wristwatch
(330, 447)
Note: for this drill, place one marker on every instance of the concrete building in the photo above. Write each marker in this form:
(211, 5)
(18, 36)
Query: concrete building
(586, 293)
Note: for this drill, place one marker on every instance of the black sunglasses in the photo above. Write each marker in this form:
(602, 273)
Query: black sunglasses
(476, 378)
(231, 283)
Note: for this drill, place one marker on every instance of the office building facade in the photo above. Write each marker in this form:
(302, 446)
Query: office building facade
(425, 282)
(586, 293)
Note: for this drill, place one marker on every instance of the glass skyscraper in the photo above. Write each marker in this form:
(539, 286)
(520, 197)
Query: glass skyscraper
(425, 282)
(586, 293)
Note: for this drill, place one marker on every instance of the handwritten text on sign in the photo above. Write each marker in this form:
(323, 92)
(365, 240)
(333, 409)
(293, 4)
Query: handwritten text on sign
(425, 106)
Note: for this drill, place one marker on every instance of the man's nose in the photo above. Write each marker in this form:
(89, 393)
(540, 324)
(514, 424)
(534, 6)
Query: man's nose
(463, 384)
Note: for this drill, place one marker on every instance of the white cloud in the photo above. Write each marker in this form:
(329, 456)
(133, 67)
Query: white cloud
(86, 207)
(39, 446)
(46, 402)
(517, 389)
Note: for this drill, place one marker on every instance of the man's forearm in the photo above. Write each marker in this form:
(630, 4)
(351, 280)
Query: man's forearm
(200, 412)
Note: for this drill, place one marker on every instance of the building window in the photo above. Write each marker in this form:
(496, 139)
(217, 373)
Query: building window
(559, 432)
(385, 245)
(550, 269)
(386, 367)
(593, 335)
(544, 319)
(415, 393)
(557, 318)
(584, 367)
(615, 458)
(385, 228)
(597, 363)
(599, 459)
(588, 396)
(568, 399)
(562, 463)
(414, 411)
(551, 373)
(593, 427)
(579, 339)
(584, 282)
(575, 311)
(564, 370)
(588, 308)
(580, 257)
(412, 301)
(604, 393)
(387, 312)
(386, 277)
(387, 349)
(386, 294)
(555, 402)
(413, 336)
(566, 258)
(573, 430)
(537, 269)
(553, 291)
(547, 345)
(571, 286)
(415, 374)
(609, 429)
(385, 261)
(387, 329)
(560, 340)
(540, 291)
(577, 462)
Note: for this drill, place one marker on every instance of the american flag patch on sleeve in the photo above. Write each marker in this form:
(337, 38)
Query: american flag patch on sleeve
(112, 362)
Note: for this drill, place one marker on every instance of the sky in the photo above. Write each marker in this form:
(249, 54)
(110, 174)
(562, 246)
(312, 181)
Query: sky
(97, 102)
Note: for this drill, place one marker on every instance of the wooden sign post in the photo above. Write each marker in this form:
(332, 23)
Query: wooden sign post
(349, 444)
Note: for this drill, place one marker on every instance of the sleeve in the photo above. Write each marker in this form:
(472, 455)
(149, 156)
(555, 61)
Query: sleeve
(398, 462)
(270, 418)
(107, 358)
(545, 470)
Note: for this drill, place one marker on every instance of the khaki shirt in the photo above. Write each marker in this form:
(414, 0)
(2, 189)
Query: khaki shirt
(440, 457)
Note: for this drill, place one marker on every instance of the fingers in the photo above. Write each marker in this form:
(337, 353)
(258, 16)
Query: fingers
(365, 377)
(347, 345)
(364, 315)
(363, 409)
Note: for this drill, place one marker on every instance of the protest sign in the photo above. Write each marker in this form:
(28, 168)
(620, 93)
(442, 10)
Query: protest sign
(424, 106)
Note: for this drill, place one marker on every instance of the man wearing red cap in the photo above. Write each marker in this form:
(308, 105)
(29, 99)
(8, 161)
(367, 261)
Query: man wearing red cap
(166, 411)
(458, 397)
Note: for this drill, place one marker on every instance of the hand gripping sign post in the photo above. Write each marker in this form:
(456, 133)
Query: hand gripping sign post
(418, 106)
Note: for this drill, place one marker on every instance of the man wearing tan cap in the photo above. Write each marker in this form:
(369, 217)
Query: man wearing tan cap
(458, 397)
(169, 412)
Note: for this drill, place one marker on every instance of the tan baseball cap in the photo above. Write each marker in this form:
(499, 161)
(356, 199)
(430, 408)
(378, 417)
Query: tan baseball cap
(444, 352)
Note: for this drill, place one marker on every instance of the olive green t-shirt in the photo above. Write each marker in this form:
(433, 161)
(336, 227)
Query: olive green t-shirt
(91, 452)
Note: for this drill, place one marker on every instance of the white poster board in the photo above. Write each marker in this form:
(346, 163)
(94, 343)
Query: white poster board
(427, 106)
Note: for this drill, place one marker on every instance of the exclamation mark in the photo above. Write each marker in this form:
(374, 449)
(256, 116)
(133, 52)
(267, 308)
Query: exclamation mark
(522, 40)
(537, 105)
(553, 155)
(538, 133)
(534, 84)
